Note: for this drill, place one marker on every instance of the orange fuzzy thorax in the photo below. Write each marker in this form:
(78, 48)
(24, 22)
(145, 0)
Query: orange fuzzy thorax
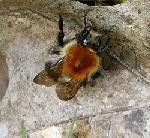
(80, 61)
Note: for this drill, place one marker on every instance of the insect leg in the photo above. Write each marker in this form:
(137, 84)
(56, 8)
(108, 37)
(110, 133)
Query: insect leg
(108, 31)
(60, 33)
(60, 36)
(103, 47)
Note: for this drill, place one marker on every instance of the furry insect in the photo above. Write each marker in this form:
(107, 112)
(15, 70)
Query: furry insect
(81, 61)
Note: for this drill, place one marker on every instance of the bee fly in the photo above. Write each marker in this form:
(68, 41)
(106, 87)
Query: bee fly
(80, 62)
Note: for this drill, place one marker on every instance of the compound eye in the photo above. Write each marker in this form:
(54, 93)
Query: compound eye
(90, 35)
(85, 42)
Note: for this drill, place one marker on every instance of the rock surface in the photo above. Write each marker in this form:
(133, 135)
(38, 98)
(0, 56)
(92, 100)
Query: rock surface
(3, 77)
(118, 106)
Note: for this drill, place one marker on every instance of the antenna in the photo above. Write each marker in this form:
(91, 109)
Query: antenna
(85, 17)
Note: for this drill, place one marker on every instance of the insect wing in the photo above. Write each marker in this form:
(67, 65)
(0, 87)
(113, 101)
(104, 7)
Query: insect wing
(49, 77)
(68, 90)
(44, 79)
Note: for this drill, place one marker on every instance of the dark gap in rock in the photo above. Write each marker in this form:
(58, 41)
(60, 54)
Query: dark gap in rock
(104, 2)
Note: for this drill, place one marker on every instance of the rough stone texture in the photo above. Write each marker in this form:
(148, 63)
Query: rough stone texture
(4, 79)
(118, 106)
